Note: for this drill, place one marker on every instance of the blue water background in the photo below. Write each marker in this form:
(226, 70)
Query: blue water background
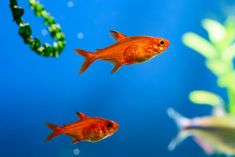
(35, 89)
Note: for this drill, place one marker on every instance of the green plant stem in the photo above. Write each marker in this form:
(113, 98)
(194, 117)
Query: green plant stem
(224, 71)
(231, 97)
(227, 81)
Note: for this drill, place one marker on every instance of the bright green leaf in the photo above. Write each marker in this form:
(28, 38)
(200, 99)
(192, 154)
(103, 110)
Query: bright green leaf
(229, 53)
(217, 67)
(216, 30)
(199, 44)
(204, 97)
(227, 81)
(230, 29)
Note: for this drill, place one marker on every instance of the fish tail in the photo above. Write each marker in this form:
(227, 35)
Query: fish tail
(89, 59)
(181, 122)
(57, 130)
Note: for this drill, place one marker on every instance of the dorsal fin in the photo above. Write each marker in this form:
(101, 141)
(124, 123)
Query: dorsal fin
(81, 115)
(99, 49)
(117, 35)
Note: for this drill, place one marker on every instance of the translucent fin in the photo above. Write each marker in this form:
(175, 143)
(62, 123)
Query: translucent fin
(181, 122)
(176, 141)
(219, 111)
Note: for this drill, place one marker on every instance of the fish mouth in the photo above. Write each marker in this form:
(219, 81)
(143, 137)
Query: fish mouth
(167, 43)
(115, 127)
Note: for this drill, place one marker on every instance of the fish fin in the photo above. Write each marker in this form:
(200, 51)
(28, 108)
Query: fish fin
(177, 140)
(116, 67)
(117, 35)
(57, 130)
(89, 59)
(218, 111)
(81, 115)
(99, 49)
(75, 141)
(205, 146)
(181, 122)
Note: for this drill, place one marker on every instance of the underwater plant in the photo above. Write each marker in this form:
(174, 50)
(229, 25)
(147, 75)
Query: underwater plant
(219, 52)
(25, 30)
(215, 132)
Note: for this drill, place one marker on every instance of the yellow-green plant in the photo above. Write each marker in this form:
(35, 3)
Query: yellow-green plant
(219, 52)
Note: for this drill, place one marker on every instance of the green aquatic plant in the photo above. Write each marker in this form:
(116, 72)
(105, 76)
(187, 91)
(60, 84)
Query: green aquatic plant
(25, 30)
(219, 52)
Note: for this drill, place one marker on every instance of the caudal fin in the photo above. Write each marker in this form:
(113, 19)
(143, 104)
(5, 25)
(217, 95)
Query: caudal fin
(89, 59)
(57, 130)
(181, 122)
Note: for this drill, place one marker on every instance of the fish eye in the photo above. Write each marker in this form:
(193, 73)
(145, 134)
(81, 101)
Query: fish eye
(110, 125)
(162, 43)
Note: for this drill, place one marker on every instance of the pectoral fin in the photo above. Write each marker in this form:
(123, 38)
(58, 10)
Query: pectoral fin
(117, 35)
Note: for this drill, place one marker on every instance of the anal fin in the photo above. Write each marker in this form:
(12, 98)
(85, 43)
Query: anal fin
(75, 141)
(116, 67)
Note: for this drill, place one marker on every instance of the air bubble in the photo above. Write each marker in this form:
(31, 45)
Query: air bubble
(76, 151)
(70, 4)
(80, 35)
(44, 32)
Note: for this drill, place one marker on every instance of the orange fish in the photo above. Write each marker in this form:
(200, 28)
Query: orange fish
(127, 50)
(92, 129)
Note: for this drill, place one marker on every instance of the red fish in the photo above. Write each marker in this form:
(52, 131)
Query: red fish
(92, 129)
(127, 50)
